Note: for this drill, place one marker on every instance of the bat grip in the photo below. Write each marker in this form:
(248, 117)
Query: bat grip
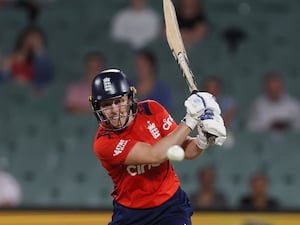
(210, 138)
(194, 92)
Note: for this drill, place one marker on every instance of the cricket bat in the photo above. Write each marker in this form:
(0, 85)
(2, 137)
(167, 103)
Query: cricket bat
(178, 50)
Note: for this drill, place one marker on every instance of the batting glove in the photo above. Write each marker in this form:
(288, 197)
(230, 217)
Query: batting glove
(213, 125)
(201, 139)
(195, 107)
(196, 104)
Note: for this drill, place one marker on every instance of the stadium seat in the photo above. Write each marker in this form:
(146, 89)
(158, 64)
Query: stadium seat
(5, 156)
(285, 181)
(99, 189)
(82, 180)
(35, 161)
(237, 164)
(12, 21)
(278, 146)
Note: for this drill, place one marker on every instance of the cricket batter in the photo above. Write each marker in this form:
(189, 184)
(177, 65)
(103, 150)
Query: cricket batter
(132, 143)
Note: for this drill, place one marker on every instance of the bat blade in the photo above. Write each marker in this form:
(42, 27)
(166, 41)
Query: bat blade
(176, 44)
(177, 47)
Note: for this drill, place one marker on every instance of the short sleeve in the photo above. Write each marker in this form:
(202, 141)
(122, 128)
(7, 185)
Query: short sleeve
(163, 117)
(113, 150)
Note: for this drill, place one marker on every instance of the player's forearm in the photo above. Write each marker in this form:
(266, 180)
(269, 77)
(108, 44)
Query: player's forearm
(177, 137)
(191, 150)
(144, 153)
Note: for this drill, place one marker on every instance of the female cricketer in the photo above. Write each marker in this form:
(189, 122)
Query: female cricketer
(132, 142)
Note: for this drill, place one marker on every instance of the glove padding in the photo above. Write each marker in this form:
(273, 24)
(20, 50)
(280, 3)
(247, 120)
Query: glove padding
(214, 126)
(201, 139)
(198, 102)
(210, 102)
(196, 105)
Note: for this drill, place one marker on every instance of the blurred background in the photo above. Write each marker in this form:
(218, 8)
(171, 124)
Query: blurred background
(48, 49)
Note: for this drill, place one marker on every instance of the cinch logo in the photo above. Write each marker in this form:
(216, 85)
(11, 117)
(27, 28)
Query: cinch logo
(120, 147)
(167, 123)
(153, 130)
(134, 170)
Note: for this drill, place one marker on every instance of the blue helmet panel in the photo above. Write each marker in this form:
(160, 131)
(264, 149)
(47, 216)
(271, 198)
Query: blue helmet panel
(109, 84)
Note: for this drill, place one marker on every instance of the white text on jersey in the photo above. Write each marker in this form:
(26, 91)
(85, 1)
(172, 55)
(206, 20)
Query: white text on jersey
(134, 170)
(167, 123)
(120, 147)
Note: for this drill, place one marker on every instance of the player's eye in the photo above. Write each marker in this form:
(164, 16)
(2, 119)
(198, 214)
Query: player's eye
(109, 103)
(118, 101)
(106, 104)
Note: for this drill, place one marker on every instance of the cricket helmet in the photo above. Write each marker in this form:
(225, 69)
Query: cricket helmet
(108, 85)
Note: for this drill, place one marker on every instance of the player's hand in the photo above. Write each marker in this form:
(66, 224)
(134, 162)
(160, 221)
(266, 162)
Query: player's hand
(195, 107)
(196, 104)
(201, 139)
(210, 103)
(213, 125)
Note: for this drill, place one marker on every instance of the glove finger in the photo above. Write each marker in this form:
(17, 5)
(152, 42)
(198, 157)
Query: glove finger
(214, 127)
(201, 140)
(204, 95)
(194, 105)
(219, 119)
(214, 106)
(209, 102)
(220, 140)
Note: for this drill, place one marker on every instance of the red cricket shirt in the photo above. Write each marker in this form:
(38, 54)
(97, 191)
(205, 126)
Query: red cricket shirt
(145, 185)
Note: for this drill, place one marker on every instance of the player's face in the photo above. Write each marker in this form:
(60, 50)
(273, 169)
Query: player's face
(116, 111)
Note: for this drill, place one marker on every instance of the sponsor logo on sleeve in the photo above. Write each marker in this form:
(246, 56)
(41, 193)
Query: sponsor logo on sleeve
(167, 123)
(120, 147)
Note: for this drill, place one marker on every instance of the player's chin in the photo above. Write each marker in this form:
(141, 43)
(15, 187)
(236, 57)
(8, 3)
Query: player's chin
(118, 123)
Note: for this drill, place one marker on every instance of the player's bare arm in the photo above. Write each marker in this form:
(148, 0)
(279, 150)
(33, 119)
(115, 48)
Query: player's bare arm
(191, 148)
(144, 153)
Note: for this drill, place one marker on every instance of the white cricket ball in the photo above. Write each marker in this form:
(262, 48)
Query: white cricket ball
(175, 153)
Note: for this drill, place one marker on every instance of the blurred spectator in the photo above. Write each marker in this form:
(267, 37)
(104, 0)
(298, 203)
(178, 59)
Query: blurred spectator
(233, 37)
(275, 110)
(208, 197)
(191, 20)
(10, 191)
(32, 7)
(227, 103)
(146, 81)
(76, 98)
(258, 198)
(138, 24)
(29, 63)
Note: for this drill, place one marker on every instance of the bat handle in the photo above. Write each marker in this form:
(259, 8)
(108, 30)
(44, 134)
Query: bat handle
(210, 138)
(195, 91)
